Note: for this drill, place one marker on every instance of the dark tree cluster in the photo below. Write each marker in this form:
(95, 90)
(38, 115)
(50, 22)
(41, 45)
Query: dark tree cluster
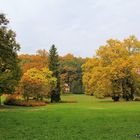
(9, 63)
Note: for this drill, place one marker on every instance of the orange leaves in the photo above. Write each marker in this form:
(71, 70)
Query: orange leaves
(33, 61)
(37, 82)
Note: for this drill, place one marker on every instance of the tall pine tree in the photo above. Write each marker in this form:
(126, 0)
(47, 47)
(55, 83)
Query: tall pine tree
(54, 67)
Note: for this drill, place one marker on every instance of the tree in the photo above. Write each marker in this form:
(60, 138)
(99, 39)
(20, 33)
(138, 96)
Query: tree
(71, 73)
(54, 67)
(9, 63)
(32, 61)
(112, 72)
(37, 83)
(42, 53)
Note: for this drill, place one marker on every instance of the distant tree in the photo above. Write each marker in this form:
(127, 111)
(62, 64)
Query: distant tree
(9, 63)
(71, 73)
(32, 61)
(42, 53)
(77, 87)
(53, 59)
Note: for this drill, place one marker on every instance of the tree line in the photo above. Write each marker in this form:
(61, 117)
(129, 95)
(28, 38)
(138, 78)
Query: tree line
(113, 72)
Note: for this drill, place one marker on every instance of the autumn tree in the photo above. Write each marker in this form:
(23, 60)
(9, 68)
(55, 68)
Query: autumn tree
(9, 67)
(71, 73)
(53, 59)
(113, 70)
(37, 83)
(38, 61)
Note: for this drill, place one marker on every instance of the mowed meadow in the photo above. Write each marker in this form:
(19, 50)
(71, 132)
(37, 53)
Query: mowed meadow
(86, 118)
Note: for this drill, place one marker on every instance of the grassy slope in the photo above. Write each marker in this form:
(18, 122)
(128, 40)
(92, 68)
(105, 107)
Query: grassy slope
(89, 119)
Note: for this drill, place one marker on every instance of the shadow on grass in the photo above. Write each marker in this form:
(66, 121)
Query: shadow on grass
(68, 102)
(6, 107)
(63, 102)
(107, 101)
(121, 101)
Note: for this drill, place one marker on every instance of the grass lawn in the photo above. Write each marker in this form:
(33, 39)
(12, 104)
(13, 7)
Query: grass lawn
(89, 119)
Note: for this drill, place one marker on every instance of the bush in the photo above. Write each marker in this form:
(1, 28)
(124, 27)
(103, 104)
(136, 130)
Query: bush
(32, 103)
(137, 99)
(11, 100)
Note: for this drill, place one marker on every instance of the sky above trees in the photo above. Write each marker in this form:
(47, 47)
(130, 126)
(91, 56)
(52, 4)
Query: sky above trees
(74, 26)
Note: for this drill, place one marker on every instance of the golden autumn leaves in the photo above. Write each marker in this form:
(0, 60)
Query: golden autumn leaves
(37, 83)
(113, 69)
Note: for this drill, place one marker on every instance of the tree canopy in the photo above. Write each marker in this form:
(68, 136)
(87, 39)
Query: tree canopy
(37, 83)
(71, 73)
(113, 71)
(9, 63)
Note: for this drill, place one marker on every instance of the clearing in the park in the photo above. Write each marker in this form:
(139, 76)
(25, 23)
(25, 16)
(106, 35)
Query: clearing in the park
(88, 119)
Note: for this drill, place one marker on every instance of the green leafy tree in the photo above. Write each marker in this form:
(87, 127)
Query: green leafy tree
(53, 59)
(9, 63)
(71, 73)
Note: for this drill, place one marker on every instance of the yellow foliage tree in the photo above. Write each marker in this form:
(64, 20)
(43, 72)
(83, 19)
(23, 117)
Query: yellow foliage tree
(114, 69)
(37, 83)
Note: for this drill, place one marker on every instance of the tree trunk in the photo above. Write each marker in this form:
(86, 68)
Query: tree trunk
(27, 98)
(55, 95)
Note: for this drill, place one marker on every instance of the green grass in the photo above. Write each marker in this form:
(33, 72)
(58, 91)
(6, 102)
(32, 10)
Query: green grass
(89, 119)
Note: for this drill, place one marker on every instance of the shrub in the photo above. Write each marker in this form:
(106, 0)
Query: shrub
(32, 103)
(12, 100)
(137, 99)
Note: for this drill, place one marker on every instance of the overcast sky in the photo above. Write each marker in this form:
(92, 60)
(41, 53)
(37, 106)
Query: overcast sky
(74, 26)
